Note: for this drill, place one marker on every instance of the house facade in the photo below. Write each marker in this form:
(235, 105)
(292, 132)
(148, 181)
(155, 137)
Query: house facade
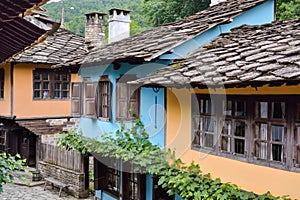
(35, 99)
(234, 107)
(104, 101)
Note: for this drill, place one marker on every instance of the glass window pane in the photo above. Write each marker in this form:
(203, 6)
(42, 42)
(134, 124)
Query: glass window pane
(64, 94)
(225, 143)
(37, 86)
(201, 106)
(208, 107)
(263, 131)
(263, 110)
(209, 125)
(298, 135)
(57, 86)
(228, 108)
(209, 140)
(227, 128)
(45, 93)
(240, 128)
(45, 77)
(277, 133)
(278, 110)
(64, 77)
(263, 150)
(240, 108)
(57, 94)
(36, 76)
(239, 146)
(45, 86)
(277, 152)
(65, 86)
(36, 94)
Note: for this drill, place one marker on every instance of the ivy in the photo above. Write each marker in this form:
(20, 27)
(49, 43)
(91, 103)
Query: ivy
(133, 145)
(9, 164)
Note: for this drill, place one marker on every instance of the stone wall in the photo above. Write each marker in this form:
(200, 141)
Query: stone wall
(74, 179)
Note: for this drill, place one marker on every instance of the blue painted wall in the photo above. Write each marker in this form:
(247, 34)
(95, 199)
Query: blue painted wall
(261, 14)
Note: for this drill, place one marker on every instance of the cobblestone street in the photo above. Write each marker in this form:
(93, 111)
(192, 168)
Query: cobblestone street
(17, 192)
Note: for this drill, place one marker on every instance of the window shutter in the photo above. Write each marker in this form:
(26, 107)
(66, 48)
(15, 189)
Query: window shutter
(128, 98)
(103, 101)
(76, 100)
(89, 99)
(134, 99)
(122, 99)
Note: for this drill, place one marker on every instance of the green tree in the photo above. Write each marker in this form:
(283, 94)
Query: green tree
(164, 11)
(9, 164)
(286, 9)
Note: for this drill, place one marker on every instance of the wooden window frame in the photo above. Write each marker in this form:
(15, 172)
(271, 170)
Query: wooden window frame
(270, 122)
(290, 142)
(202, 112)
(134, 181)
(233, 117)
(2, 78)
(49, 92)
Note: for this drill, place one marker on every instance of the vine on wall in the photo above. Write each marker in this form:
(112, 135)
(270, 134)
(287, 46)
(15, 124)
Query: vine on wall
(133, 145)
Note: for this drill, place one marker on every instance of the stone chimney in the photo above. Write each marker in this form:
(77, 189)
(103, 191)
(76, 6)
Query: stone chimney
(214, 2)
(119, 24)
(94, 29)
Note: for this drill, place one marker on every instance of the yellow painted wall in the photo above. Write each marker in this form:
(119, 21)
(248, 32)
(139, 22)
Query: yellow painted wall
(25, 106)
(5, 103)
(251, 177)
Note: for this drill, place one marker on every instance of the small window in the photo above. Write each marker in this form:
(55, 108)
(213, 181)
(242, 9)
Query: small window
(239, 137)
(48, 84)
(1, 83)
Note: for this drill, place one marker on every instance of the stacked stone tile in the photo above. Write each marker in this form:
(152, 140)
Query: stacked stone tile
(152, 43)
(249, 55)
(60, 47)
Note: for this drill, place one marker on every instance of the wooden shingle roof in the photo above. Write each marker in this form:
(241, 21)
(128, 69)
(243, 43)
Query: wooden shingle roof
(57, 48)
(249, 55)
(15, 32)
(153, 43)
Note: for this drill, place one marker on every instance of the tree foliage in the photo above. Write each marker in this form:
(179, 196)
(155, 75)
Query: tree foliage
(287, 9)
(9, 164)
(75, 10)
(164, 11)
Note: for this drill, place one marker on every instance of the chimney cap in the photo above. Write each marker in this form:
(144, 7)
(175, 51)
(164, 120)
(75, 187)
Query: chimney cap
(99, 13)
(118, 9)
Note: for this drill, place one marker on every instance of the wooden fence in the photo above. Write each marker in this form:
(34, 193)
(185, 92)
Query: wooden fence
(72, 160)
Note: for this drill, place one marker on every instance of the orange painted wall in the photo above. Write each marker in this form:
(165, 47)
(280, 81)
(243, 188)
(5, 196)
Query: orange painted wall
(25, 106)
(251, 177)
(5, 103)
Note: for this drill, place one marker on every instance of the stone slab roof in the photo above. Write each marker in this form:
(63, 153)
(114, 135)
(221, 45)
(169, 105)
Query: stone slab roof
(60, 47)
(15, 32)
(153, 43)
(249, 55)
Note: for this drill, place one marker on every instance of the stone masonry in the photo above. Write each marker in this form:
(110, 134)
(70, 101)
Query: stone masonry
(74, 179)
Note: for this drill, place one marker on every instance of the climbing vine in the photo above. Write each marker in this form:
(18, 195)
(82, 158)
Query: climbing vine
(133, 145)
(9, 164)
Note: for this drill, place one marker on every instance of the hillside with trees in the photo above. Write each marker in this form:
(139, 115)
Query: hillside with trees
(75, 10)
(146, 13)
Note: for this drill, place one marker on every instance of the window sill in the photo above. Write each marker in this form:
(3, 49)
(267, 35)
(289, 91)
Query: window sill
(48, 99)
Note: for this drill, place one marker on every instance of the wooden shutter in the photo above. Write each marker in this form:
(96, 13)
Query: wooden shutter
(89, 99)
(76, 100)
(127, 99)
(103, 101)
